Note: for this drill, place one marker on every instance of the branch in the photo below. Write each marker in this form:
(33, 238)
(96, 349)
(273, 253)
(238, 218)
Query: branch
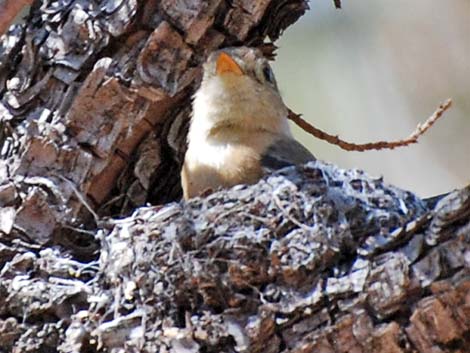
(379, 145)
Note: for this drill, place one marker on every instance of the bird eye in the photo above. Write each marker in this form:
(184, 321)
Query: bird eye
(268, 74)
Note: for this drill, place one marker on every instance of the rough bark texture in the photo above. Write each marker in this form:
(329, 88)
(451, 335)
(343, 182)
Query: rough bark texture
(94, 106)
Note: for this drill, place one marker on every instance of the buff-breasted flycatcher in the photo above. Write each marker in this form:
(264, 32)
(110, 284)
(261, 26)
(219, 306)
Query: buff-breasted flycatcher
(239, 129)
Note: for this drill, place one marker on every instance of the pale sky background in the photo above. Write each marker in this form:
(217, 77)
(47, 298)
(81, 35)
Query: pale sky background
(372, 71)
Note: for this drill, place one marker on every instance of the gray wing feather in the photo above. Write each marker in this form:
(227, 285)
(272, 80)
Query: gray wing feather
(285, 152)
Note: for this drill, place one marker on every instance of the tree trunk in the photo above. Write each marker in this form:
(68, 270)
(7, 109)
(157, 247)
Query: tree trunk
(95, 102)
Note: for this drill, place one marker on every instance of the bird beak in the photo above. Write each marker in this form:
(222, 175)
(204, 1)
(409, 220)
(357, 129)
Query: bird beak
(226, 64)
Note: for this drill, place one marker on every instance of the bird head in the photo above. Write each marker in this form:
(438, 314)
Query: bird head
(239, 90)
(238, 64)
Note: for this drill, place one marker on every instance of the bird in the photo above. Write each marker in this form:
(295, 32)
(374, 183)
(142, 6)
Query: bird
(239, 128)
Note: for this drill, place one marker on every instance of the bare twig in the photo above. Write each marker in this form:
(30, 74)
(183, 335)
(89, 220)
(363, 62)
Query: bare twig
(9, 9)
(286, 213)
(379, 145)
(81, 198)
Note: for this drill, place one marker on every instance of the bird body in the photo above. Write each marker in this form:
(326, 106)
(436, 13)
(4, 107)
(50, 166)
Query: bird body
(238, 117)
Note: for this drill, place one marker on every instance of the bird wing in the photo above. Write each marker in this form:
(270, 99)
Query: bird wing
(285, 152)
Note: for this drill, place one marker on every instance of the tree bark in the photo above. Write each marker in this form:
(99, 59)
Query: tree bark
(94, 107)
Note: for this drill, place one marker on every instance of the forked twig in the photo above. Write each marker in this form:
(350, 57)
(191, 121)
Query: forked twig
(379, 145)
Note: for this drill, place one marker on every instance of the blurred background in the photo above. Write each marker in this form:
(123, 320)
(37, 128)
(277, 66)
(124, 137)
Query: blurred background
(374, 70)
